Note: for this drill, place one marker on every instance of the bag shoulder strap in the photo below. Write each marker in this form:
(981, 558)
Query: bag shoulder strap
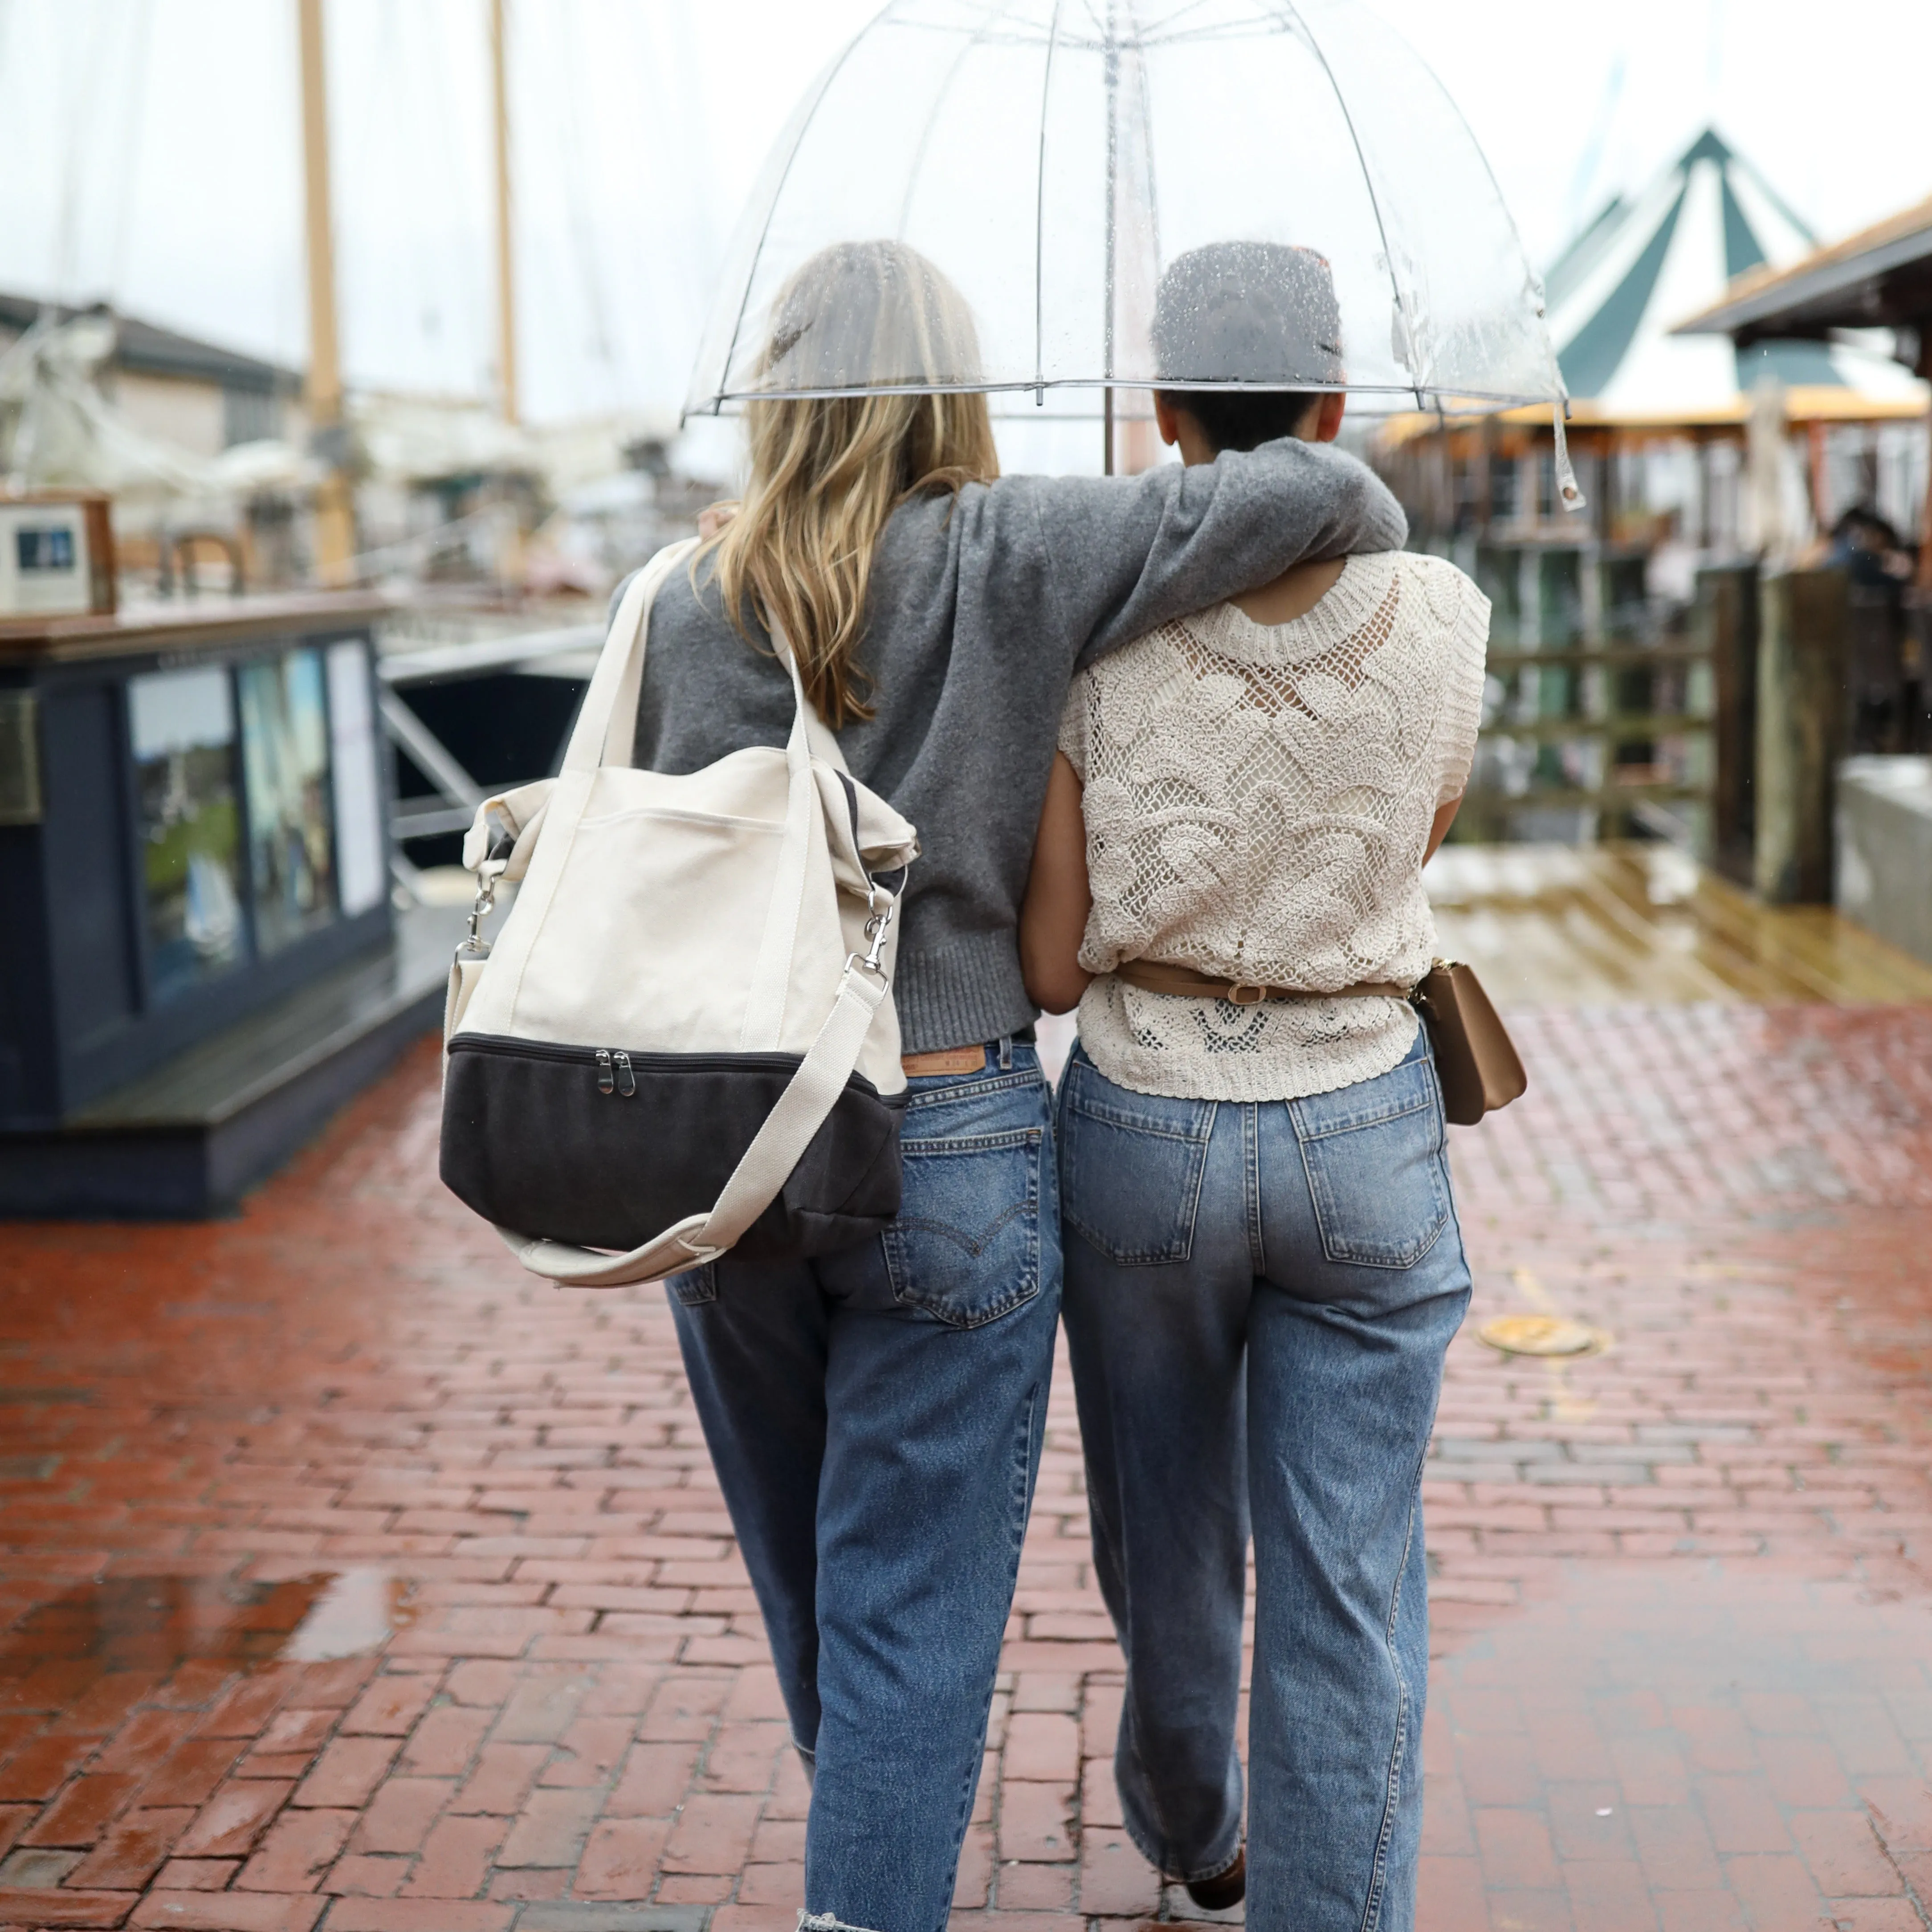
(608, 724)
(606, 728)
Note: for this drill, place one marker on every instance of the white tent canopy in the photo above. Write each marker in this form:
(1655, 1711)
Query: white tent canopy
(1647, 263)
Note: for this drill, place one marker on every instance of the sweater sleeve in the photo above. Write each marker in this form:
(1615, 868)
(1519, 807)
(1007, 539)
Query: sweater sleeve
(1122, 556)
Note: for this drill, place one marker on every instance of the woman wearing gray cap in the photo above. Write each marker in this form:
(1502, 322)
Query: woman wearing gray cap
(1263, 1266)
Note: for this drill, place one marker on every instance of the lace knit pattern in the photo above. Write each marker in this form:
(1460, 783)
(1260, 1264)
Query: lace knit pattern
(1258, 800)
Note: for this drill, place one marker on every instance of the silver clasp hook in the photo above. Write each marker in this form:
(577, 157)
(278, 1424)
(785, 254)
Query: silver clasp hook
(474, 945)
(877, 926)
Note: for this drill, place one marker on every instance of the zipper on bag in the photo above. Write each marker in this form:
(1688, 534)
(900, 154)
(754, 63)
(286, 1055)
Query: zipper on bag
(618, 1070)
(582, 1056)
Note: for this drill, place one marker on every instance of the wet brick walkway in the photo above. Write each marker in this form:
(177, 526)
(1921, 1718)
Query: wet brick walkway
(1683, 1677)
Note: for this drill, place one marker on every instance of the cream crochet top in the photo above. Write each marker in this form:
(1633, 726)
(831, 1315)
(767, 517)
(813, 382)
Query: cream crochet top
(1258, 799)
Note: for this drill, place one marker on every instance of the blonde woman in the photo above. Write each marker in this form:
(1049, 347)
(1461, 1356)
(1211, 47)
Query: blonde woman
(1263, 1264)
(875, 1416)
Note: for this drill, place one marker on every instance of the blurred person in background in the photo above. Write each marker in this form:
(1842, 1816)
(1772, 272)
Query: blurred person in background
(1880, 672)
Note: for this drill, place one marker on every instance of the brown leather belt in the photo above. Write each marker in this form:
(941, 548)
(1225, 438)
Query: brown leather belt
(946, 1060)
(1151, 977)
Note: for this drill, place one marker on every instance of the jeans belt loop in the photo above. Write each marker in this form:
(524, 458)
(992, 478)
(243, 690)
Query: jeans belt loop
(1006, 1053)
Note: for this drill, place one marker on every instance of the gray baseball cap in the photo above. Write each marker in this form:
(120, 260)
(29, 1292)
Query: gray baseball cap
(1258, 313)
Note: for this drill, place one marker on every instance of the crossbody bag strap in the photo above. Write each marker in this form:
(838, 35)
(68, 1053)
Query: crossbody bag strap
(763, 1024)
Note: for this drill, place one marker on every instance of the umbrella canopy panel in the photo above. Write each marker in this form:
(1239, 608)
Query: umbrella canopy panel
(1052, 158)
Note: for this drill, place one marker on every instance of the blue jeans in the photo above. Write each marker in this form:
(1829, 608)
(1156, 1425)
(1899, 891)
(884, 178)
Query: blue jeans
(875, 1418)
(1258, 1299)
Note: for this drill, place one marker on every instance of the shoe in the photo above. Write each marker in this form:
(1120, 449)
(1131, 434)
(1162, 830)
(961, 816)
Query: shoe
(1224, 1889)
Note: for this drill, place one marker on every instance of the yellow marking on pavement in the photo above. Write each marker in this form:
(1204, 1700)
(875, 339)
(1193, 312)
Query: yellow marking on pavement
(1551, 1335)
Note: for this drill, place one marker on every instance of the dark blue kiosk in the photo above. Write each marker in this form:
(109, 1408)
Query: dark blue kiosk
(199, 958)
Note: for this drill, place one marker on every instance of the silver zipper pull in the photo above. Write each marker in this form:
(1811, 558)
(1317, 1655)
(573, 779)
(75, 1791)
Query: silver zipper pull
(626, 1084)
(605, 1083)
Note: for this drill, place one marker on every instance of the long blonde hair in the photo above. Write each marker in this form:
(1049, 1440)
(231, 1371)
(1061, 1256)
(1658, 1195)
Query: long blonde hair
(828, 471)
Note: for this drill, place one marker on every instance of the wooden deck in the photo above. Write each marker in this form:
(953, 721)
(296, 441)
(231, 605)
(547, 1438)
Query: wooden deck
(1563, 925)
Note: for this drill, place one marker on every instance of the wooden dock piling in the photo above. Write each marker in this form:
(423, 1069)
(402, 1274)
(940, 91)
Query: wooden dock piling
(1803, 619)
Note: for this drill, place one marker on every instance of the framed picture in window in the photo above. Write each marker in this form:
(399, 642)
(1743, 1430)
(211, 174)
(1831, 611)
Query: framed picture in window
(182, 730)
(285, 762)
(361, 847)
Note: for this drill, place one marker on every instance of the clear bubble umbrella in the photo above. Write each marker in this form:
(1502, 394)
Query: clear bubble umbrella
(1054, 158)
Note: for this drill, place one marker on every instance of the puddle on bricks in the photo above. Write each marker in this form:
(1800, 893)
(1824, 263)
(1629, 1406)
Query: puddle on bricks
(158, 1623)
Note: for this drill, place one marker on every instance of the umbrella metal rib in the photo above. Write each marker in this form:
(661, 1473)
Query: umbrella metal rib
(1368, 183)
(804, 119)
(945, 88)
(1040, 215)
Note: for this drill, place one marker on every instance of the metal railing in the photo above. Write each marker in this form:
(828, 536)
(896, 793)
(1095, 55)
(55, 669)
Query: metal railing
(457, 794)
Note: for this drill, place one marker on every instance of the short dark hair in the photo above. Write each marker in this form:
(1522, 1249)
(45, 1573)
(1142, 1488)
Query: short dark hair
(1248, 313)
(1230, 419)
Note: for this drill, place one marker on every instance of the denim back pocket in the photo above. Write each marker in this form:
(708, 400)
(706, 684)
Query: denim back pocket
(1375, 1157)
(965, 1248)
(1130, 1167)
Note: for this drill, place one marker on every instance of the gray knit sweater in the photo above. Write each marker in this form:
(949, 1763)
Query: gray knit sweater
(981, 607)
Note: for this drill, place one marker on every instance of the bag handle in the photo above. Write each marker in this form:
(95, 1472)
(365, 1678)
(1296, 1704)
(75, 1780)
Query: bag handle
(570, 792)
(620, 665)
(607, 722)
(606, 733)
(607, 726)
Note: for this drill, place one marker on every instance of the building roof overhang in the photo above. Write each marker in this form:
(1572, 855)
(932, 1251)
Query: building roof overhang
(1879, 277)
(152, 350)
(1803, 403)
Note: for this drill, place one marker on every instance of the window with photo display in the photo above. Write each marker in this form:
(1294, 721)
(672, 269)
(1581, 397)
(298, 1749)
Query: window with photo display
(285, 763)
(182, 730)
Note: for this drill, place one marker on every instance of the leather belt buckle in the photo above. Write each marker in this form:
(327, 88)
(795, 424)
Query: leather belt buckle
(1242, 994)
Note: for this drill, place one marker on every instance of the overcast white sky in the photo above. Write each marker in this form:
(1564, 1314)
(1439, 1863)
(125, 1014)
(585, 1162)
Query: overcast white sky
(150, 151)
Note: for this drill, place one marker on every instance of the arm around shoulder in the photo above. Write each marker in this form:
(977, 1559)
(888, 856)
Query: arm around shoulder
(1350, 510)
(1119, 556)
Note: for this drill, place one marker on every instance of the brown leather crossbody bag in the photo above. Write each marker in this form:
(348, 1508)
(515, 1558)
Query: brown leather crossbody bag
(1476, 1060)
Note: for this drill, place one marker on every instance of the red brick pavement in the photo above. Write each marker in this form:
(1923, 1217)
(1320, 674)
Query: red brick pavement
(1680, 1588)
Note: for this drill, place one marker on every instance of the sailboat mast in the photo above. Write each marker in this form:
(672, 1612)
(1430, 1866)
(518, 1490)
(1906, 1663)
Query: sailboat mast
(1113, 79)
(506, 285)
(334, 516)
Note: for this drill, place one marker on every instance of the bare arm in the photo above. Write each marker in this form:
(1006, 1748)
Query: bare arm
(1058, 899)
(1445, 816)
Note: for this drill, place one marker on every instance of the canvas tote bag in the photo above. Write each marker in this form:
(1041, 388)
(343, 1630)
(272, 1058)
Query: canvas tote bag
(683, 1040)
